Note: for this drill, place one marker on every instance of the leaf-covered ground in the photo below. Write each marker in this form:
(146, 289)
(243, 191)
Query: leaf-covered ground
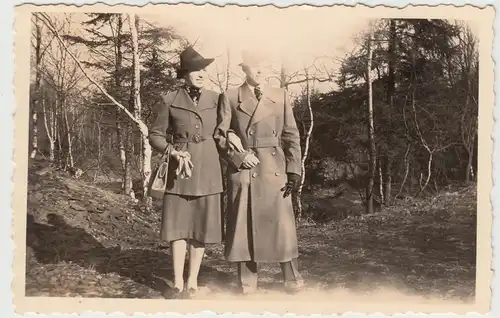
(86, 241)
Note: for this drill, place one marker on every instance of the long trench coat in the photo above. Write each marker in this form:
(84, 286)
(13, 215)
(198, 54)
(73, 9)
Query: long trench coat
(260, 222)
(191, 127)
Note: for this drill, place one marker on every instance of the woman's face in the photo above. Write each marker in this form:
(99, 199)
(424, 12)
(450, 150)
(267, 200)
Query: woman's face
(197, 78)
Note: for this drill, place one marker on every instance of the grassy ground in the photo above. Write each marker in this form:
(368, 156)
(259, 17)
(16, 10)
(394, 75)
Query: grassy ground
(86, 241)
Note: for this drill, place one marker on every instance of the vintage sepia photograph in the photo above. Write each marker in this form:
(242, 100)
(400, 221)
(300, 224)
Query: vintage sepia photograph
(253, 154)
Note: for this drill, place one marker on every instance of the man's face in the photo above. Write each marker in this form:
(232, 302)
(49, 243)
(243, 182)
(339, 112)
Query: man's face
(257, 74)
(197, 78)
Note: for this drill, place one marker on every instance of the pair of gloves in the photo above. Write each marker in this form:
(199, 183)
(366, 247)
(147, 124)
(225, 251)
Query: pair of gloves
(185, 166)
(293, 179)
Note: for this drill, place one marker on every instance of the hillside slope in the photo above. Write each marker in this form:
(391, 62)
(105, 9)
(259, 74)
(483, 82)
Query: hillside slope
(86, 241)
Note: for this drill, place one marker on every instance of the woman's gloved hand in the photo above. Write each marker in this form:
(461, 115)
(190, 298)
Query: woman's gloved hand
(234, 142)
(184, 164)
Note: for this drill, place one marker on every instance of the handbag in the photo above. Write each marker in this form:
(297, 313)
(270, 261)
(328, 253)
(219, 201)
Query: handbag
(158, 182)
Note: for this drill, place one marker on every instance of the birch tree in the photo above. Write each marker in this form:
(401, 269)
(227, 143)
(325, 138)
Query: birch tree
(36, 99)
(142, 127)
(371, 129)
(146, 148)
(61, 74)
(306, 148)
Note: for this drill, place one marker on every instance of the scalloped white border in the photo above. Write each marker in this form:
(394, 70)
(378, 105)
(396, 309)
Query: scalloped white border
(7, 109)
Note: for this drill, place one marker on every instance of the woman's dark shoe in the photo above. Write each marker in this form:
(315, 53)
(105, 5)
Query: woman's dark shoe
(174, 293)
(191, 292)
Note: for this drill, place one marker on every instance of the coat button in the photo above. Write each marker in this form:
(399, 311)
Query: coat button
(273, 153)
(276, 173)
(197, 126)
(254, 174)
(250, 132)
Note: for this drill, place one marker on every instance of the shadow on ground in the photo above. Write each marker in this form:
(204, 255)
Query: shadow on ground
(59, 243)
(86, 241)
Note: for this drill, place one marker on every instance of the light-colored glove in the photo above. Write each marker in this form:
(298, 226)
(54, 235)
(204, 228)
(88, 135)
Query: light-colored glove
(185, 166)
(250, 161)
(234, 142)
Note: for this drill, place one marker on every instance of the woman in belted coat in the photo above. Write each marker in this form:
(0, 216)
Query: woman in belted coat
(191, 206)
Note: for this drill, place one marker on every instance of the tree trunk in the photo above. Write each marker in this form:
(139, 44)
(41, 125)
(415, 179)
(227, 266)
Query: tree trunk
(306, 151)
(407, 168)
(99, 151)
(391, 84)
(120, 130)
(429, 174)
(146, 148)
(49, 131)
(36, 100)
(371, 133)
(283, 81)
(388, 180)
(380, 182)
(52, 150)
(71, 162)
(34, 129)
(121, 145)
(59, 153)
(127, 173)
(470, 156)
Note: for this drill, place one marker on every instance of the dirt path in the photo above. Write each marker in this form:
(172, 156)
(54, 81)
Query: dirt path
(85, 241)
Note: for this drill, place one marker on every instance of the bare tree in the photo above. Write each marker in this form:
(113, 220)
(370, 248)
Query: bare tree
(296, 78)
(36, 98)
(371, 130)
(123, 133)
(50, 124)
(469, 121)
(146, 148)
(61, 74)
(223, 75)
(137, 121)
(40, 50)
(306, 148)
(391, 87)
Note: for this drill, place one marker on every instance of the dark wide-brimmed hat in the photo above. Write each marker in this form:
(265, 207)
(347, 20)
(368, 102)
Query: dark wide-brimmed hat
(192, 61)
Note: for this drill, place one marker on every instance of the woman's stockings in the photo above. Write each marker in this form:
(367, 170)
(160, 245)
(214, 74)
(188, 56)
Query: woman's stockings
(196, 252)
(178, 259)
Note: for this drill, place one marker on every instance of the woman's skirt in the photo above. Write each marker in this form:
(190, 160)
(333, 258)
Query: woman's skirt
(191, 217)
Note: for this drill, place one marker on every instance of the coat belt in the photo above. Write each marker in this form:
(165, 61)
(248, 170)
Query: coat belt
(196, 138)
(263, 142)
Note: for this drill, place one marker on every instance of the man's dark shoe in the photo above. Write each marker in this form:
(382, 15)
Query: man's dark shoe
(247, 290)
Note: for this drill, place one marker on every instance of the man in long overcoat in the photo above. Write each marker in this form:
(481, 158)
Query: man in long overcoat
(263, 169)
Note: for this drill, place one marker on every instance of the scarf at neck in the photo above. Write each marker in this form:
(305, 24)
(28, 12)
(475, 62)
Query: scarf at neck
(194, 93)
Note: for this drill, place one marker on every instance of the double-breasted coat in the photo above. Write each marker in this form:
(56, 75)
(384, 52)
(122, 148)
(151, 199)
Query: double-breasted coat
(191, 207)
(260, 222)
(191, 128)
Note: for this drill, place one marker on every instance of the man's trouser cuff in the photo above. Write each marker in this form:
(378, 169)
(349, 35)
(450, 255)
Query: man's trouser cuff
(247, 275)
(290, 271)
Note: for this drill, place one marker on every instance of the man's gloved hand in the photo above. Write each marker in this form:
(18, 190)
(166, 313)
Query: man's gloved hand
(292, 184)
